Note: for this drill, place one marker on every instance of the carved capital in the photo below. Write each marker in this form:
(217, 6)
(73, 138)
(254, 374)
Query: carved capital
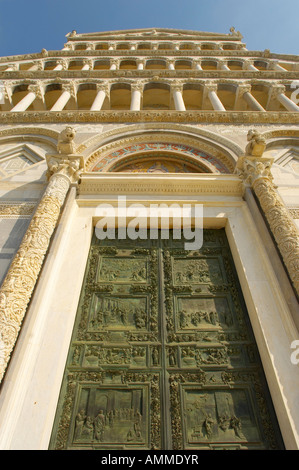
(243, 88)
(252, 168)
(63, 63)
(177, 86)
(37, 89)
(114, 62)
(137, 86)
(88, 62)
(70, 88)
(210, 86)
(70, 166)
(103, 87)
(277, 90)
(13, 67)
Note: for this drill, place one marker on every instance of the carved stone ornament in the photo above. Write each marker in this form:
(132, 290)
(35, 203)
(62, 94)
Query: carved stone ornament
(19, 283)
(256, 144)
(255, 170)
(161, 354)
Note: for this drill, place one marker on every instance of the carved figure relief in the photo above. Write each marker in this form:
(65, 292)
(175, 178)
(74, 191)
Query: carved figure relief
(144, 337)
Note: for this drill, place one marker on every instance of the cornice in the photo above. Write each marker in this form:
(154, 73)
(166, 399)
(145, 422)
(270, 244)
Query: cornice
(188, 74)
(153, 34)
(232, 117)
(171, 184)
(148, 53)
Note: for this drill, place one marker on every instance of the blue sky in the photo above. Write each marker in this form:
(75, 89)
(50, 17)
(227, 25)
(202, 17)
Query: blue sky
(28, 26)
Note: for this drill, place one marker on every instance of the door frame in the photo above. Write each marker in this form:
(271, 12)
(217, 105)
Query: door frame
(31, 389)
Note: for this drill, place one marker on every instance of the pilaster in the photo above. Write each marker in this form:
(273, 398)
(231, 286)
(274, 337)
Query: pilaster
(64, 169)
(255, 170)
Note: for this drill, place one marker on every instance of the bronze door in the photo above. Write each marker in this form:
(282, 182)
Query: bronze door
(162, 354)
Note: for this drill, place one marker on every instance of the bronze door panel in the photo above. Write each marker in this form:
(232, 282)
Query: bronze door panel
(162, 354)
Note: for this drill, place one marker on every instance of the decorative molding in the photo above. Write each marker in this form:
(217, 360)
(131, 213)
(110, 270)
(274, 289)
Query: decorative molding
(16, 209)
(255, 171)
(117, 183)
(105, 161)
(145, 73)
(294, 212)
(19, 283)
(241, 117)
(147, 52)
(199, 138)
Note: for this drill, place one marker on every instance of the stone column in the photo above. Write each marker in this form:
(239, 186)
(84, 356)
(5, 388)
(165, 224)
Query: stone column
(88, 64)
(97, 104)
(15, 293)
(255, 171)
(288, 103)
(61, 65)
(140, 64)
(253, 103)
(211, 90)
(114, 64)
(24, 103)
(244, 91)
(248, 64)
(67, 92)
(274, 65)
(222, 65)
(197, 65)
(178, 96)
(137, 89)
(277, 92)
(38, 65)
(170, 64)
(11, 68)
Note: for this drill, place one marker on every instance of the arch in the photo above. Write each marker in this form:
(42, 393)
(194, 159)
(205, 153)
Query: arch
(193, 96)
(144, 46)
(52, 92)
(76, 64)
(102, 64)
(120, 96)
(101, 46)
(156, 95)
(122, 46)
(230, 46)
(128, 64)
(186, 46)
(209, 64)
(25, 65)
(208, 46)
(165, 46)
(183, 64)
(22, 148)
(80, 47)
(223, 150)
(261, 64)
(155, 64)
(160, 157)
(50, 64)
(86, 94)
(260, 91)
(227, 95)
(235, 64)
